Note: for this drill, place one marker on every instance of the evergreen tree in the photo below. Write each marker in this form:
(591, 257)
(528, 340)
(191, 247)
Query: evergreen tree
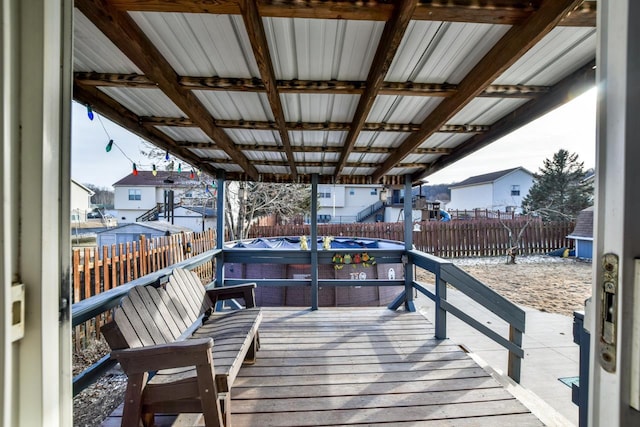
(559, 191)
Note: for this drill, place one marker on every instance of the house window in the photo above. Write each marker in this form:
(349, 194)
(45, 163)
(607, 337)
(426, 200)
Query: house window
(135, 195)
(515, 190)
(352, 192)
(324, 195)
(374, 192)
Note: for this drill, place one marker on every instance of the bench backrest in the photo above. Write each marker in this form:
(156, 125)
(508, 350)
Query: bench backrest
(149, 315)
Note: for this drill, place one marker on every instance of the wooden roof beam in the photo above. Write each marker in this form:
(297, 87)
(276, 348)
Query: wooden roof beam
(515, 43)
(258, 39)
(297, 126)
(389, 41)
(120, 115)
(120, 28)
(567, 89)
(309, 149)
(507, 12)
(276, 163)
(306, 86)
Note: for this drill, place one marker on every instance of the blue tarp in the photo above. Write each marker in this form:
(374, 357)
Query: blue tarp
(336, 243)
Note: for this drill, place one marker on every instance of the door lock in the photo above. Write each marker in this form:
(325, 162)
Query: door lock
(608, 312)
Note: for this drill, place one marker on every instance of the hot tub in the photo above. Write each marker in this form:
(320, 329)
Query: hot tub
(328, 296)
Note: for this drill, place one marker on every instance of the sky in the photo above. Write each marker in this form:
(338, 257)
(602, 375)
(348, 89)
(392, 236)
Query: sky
(572, 127)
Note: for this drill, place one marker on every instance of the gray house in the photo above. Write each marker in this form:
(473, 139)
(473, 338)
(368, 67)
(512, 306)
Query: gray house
(132, 232)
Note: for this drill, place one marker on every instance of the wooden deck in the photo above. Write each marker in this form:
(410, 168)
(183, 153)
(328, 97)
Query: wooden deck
(362, 366)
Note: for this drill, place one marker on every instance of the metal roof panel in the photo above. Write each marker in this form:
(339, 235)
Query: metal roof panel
(236, 105)
(301, 107)
(200, 44)
(144, 102)
(190, 134)
(93, 51)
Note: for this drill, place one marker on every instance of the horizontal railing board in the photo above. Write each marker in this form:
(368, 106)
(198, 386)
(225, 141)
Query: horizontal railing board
(483, 295)
(480, 327)
(424, 260)
(425, 291)
(321, 282)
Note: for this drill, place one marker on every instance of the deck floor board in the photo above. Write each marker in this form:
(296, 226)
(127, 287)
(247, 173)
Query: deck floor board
(364, 366)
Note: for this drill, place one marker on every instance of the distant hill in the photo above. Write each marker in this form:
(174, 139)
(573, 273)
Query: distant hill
(434, 192)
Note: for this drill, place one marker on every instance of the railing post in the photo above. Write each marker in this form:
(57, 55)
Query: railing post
(440, 313)
(313, 244)
(514, 362)
(408, 245)
(220, 229)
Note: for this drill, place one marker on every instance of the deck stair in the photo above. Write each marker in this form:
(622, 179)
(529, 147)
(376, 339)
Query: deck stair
(370, 211)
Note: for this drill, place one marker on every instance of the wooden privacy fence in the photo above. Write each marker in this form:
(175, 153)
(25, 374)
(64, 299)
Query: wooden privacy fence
(96, 270)
(448, 239)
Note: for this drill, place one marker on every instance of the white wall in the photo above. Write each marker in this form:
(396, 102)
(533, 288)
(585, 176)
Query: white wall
(191, 219)
(502, 190)
(471, 197)
(346, 204)
(126, 216)
(80, 202)
(146, 202)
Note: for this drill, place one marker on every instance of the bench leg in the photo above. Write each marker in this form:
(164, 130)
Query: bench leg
(250, 358)
(209, 396)
(132, 411)
(225, 406)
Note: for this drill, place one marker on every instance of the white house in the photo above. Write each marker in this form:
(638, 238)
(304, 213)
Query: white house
(195, 218)
(80, 201)
(502, 190)
(348, 203)
(137, 195)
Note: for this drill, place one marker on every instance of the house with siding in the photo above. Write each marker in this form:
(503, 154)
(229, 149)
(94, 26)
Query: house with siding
(501, 190)
(80, 201)
(349, 203)
(137, 195)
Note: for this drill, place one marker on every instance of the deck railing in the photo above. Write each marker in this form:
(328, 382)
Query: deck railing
(448, 273)
(445, 273)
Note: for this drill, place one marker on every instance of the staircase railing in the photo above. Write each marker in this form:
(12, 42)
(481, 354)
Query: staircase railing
(369, 211)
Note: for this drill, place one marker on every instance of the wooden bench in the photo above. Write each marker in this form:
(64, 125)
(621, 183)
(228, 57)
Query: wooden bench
(179, 355)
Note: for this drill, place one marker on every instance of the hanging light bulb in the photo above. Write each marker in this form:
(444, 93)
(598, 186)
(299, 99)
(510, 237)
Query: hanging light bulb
(179, 167)
(135, 170)
(109, 146)
(166, 156)
(89, 112)
(192, 175)
(154, 171)
(199, 172)
(206, 188)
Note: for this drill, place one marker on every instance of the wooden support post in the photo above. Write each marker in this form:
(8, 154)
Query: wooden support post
(220, 228)
(313, 243)
(514, 362)
(408, 245)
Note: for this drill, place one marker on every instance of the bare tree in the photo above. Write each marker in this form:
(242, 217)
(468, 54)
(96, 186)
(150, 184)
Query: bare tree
(515, 242)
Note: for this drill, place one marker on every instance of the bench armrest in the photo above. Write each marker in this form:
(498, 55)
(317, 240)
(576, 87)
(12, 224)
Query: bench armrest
(180, 354)
(245, 291)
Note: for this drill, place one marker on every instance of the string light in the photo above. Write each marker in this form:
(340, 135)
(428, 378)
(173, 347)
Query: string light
(199, 172)
(166, 156)
(109, 146)
(192, 175)
(135, 170)
(89, 112)
(179, 167)
(154, 171)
